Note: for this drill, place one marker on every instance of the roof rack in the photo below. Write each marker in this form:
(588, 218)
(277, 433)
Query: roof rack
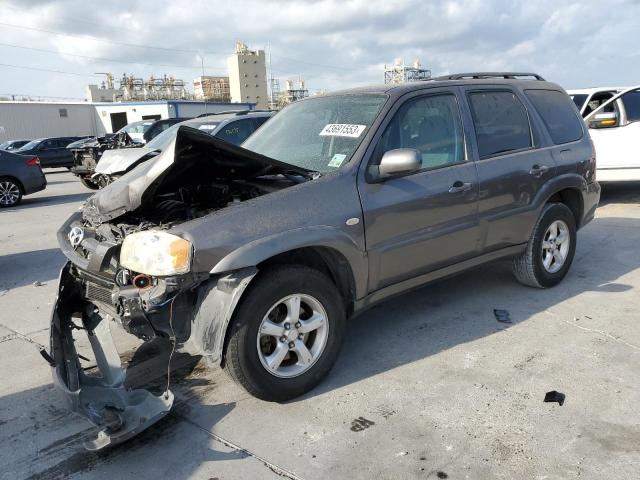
(482, 75)
(237, 112)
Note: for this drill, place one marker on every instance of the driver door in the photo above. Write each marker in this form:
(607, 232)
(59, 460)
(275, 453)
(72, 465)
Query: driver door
(428, 219)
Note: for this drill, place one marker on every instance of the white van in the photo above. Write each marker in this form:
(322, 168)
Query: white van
(613, 117)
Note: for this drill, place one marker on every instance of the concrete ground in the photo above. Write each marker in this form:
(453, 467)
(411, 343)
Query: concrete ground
(428, 385)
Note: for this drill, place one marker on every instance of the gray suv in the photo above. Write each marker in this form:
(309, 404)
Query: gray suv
(255, 256)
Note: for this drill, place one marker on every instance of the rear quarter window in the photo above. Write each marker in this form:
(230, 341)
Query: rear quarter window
(558, 114)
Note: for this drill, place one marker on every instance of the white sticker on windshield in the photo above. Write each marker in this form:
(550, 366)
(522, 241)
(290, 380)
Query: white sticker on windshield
(342, 130)
(207, 127)
(337, 160)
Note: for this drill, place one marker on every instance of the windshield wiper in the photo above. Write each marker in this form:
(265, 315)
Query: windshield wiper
(300, 177)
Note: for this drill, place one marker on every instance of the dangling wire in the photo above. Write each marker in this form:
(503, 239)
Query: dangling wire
(173, 346)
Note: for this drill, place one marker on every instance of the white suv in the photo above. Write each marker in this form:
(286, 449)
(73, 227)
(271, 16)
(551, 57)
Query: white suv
(613, 117)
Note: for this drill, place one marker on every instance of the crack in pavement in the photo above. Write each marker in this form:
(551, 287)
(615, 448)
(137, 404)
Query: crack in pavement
(6, 338)
(271, 466)
(600, 332)
(608, 335)
(19, 335)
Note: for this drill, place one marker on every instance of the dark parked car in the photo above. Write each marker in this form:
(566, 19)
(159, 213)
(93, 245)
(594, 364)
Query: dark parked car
(52, 152)
(255, 256)
(159, 126)
(19, 175)
(13, 145)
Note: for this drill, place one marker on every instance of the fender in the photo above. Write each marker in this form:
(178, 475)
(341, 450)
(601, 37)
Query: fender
(556, 184)
(550, 188)
(255, 252)
(217, 300)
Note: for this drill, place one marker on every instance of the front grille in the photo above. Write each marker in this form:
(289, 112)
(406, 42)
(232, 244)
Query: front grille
(99, 293)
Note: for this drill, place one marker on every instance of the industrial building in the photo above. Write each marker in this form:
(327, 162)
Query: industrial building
(399, 72)
(134, 89)
(108, 107)
(294, 90)
(248, 76)
(28, 120)
(246, 83)
(22, 120)
(212, 89)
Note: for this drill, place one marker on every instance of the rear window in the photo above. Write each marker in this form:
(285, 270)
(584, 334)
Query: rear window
(631, 103)
(558, 115)
(500, 121)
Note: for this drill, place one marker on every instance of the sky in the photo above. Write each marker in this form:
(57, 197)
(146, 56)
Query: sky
(332, 44)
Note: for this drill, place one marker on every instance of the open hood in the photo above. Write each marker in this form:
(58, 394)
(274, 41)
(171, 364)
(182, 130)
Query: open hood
(120, 160)
(223, 160)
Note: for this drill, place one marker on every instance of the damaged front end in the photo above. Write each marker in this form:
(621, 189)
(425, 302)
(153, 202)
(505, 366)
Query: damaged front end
(128, 268)
(118, 413)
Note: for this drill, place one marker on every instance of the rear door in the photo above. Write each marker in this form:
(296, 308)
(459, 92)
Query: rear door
(426, 220)
(511, 170)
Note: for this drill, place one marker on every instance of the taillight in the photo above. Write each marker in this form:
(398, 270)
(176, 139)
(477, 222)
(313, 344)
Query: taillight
(590, 174)
(33, 162)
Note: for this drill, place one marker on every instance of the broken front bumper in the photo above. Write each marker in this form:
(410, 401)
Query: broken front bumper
(117, 412)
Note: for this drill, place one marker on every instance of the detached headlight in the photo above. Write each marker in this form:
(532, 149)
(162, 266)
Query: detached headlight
(156, 253)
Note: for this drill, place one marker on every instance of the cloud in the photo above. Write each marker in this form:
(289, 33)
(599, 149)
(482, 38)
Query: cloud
(332, 44)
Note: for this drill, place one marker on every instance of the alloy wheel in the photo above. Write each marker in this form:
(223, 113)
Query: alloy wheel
(555, 246)
(292, 335)
(9, 193)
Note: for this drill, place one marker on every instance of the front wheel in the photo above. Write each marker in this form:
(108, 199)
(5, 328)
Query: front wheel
(87, 182)
(286, 333)
(550, 249)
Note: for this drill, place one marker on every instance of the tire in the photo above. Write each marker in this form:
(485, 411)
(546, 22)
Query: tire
(10, 192)
(530, 267)
(89, 184)
(248, 367)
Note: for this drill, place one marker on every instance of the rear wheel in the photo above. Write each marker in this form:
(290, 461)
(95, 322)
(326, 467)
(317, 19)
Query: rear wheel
(10, 192)
(550, 249)
(286, 333)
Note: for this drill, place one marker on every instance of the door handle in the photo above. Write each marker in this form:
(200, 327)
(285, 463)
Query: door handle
(538, 170)
(459, 186)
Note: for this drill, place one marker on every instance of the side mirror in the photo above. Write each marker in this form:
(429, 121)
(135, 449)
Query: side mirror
(399, 161)
(604, 120)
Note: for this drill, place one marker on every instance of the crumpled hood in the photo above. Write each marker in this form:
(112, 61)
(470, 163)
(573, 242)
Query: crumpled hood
(130, 191)
(89, 141)
(119, 161)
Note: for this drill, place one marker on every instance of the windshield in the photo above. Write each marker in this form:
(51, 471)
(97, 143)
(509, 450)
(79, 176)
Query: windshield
(318, 134)
(31, 145)
(161, 141)
(579, 100)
